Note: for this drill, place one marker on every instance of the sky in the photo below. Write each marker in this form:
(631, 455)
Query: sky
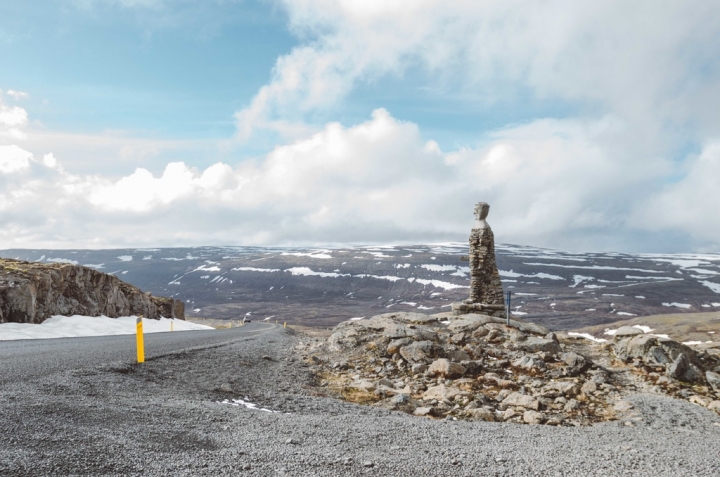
(585, 125)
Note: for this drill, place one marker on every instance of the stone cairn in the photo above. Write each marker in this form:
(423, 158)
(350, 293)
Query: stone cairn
(486, 293)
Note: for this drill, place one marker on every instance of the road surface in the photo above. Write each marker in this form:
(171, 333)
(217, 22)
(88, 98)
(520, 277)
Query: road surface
(24, 359)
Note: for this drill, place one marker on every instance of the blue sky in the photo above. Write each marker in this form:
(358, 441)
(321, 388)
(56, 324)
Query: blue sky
(321, 122)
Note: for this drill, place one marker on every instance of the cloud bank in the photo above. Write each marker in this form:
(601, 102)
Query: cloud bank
(630, 164)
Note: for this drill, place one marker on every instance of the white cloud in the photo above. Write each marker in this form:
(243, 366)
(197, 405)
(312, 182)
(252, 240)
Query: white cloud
(689, 205)
(376, 181)
(13, 159)
(17, 94)
(641, 61)
(12, 121)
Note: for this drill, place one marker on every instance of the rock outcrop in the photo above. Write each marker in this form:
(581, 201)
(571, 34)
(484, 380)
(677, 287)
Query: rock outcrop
(478, 367)
(486, 293)
(32, 292)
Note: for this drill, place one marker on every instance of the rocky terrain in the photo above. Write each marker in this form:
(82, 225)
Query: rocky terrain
(32, 292)
(478, 367)
(322, 287)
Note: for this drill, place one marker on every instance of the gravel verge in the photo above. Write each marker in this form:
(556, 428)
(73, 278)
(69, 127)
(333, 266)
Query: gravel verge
(166, 417)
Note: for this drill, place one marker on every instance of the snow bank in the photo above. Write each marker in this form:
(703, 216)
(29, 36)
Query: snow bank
(74, 326)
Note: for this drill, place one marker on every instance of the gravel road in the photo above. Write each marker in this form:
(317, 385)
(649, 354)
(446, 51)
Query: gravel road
(166, 417)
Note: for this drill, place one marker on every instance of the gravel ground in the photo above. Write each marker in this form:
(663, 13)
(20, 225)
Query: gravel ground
(166, 418)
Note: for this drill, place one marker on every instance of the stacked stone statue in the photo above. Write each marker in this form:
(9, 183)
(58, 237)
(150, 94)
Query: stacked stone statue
(486, 293)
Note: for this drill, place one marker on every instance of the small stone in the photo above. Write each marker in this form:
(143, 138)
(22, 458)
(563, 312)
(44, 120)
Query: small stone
(267, 358)
(714, 406)
(571, 405)
(368, 464)
(588, 388)
(424, 411)
(226, 387)
(622, 406)
(292, 441)
(701, 400)
(400, 399)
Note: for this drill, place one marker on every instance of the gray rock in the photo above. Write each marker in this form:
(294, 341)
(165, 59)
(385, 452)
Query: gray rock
(573, 359)
(419, 351)
(534, 345)
(528, 363)
(713, 379)
(395, 345)
(424, 411)
(481, 414)
(625, 331)
(521, 400)
(683, 369)
(446, 368)
(410, 318)
(32, 292)
(568, 388)
(419, 368)
(634, 347)
(400, 399)
(533, 417)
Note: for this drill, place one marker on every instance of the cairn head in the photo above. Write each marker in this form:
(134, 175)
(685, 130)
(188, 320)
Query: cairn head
(481, 212)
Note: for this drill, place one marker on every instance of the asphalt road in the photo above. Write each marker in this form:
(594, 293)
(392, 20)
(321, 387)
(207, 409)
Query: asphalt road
(24, 359)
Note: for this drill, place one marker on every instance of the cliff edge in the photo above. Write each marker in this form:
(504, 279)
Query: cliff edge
(31, 292)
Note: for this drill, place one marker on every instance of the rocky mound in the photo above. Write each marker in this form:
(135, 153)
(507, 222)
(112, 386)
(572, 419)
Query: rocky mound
(476, 367)
(31, 292)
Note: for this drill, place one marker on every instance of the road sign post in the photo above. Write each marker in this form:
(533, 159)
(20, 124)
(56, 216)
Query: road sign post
(139, 339)
(507, 307)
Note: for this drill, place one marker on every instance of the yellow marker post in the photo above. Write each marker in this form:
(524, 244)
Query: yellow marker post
(285, 325)
(172, 322)
(139, 339)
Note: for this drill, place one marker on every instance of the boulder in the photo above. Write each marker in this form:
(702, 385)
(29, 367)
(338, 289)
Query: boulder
(528, 363)
(395, 345)
(521, 400)
(568, 388)
(481, 414)
(634, 347)
(469, 323)
(714, 406)
(683, 369)
(442, 392)
(409, 318)
(573, 359)
(446, 368)
(420, 351)
(534, 345)
(347, 335)
(533, 417)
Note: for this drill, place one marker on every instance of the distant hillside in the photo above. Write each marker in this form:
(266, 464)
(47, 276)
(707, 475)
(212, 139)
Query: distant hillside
(321, 287)
(32, 292)
(699, 328)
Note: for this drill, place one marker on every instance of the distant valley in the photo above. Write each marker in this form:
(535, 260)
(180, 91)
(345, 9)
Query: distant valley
(321, 287)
